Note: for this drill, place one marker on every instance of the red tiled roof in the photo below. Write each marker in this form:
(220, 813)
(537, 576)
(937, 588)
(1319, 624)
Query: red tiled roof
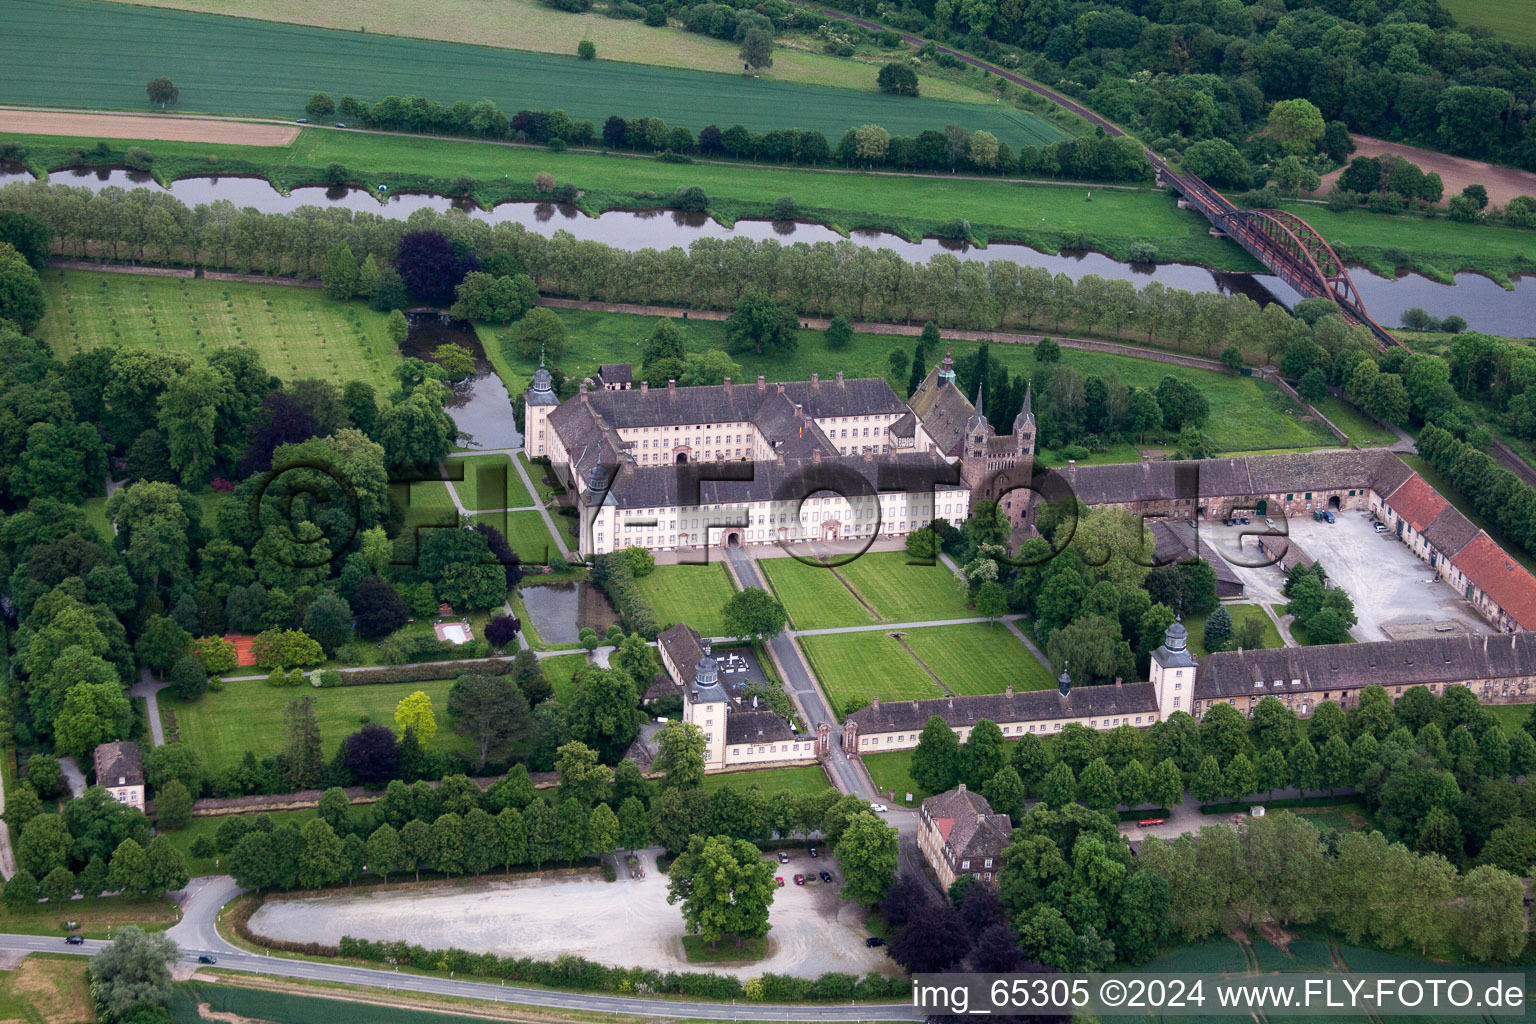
(1503, 579)
(1417, 502)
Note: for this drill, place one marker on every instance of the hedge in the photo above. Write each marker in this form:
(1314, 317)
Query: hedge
(616, 575)
(574, 972)
(424, 673)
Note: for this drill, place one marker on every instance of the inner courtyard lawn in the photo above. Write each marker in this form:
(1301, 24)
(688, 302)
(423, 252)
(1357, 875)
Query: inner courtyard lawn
(902, 592)
(975, 658)
(807, 778)
(488, 482)
(1240, 613)
(691, 594)
(890, 772)
(248, 715)
(854, 668)
(297, 332)
(813, 596)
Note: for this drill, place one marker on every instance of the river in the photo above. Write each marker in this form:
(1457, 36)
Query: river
(1483, 304)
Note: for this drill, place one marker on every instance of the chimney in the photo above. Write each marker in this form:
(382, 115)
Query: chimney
(581, 390)
(1008, 690)
(951, 703)
(799, 410)
(981, 819)
(1119, 682)
(874, 702)
(762, 384)
(839, 378)
(727, 385)
(961, 787)
(780, 386)
(645, 386)
(816, 455)
(778, 458)
(1071, 463)
(815, 381)
(671, 385)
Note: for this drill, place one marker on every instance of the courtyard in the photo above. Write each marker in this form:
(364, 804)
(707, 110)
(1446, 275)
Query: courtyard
(624, 923)
(1386, 580)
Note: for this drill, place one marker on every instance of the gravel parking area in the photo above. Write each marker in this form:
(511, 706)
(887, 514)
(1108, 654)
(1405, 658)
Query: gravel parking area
(1386, 580)
(624, 923)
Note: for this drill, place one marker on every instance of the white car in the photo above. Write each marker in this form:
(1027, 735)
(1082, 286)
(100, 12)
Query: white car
(879, 808)
(1269, 523)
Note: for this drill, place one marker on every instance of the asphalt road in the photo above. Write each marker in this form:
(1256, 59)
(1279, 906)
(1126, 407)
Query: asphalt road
(197, 934)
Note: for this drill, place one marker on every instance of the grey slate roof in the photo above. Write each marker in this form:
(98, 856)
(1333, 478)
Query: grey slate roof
(662, 486)
(756, 727)
(669, 406)
(1346, 666)
(615, 373)
(1178, 541)
(1450, 531)
(118, 764)
(1120, 483)
(976, 832)
(1032, 705)
(943, 412)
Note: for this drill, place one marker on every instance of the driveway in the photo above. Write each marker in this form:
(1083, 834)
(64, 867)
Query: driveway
(621, 923)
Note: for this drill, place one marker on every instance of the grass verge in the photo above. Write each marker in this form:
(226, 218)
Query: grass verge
(799, 780)
(744, 952)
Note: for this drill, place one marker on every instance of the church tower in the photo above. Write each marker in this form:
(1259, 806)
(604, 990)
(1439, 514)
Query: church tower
(973, 460)
(1024, 432)
(946, 368)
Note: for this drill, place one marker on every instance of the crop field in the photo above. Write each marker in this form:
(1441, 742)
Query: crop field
(248, 715)
(527, 25)
(975, 658)
(814, 597)
(527, 534)
(690, 594)
(489, 483)
(902, 592)
(1510, 19)
(559, 669)
(855, 667)
(297, 332)
(242, 66)
(799, 780)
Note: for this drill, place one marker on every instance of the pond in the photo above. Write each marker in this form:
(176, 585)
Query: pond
(1483, 304)
(561, 611)
(479, 406)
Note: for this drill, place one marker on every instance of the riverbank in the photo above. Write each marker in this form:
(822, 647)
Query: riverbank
(1048, 217)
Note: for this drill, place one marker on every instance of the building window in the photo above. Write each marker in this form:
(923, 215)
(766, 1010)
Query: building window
(965, 865)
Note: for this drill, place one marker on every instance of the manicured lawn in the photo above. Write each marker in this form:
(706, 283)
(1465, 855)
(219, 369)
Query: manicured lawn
(1449, 492)
(890, 773)
(559, 669)
(974, 658)
(488, 482)
(814, 597)
(691, 594)
(546, 490)
(856, 667)
(1511, 716)
(806, 778)
(902, 592)
(526, 25)
(95, 510)
(527, 534)
(1360, 427)
(248, 715)
(297, 332)
(239, 66)
(1240, 613)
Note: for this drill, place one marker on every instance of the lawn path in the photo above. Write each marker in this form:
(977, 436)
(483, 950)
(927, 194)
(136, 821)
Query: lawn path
(924, 665)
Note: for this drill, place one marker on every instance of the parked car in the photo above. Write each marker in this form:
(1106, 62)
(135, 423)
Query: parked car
(75, 940)
(1379, 527)
(874, 941)
(783, 857)
(780, 879)
(302, 120)
(340, 125)
(1243, 520)
(1143, 823)
(1269, 522)
(1328, 515)
(879, 808)
(814, 853)
(826, 876)
(207, 958)
(799, 879)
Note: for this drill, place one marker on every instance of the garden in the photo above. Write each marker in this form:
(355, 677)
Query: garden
(488, 483)
(902, 592)
(694, 595)
(814, 596)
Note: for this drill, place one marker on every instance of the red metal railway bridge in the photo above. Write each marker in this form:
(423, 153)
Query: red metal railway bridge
(1289, 246)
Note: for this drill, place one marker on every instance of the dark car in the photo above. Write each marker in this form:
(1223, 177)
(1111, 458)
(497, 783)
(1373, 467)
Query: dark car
(826, 876)
(75, 940)
(814, 853)
(302, 120)
(783, 857)
(874, 941)
(207, 958)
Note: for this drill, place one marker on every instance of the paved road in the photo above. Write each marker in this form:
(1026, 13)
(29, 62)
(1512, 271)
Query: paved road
(803, 689)
(147, 687)
(197, 934)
